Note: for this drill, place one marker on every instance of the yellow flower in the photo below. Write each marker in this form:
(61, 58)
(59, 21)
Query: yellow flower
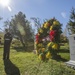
(40, 56)
(40, 45)
(48, 55)
(51, 27)
(46, 25)
(43, 49)
(49, 44)
(56, 23)
(55, 46)
(36, 51)
(41, 31)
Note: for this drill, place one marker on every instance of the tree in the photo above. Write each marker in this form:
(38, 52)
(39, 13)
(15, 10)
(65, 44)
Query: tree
(0, 18)
(20, 27)
(37, 22)
(63, 38)
(71, 23)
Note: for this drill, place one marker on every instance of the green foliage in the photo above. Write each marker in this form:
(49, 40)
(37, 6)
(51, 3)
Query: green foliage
(20, 27)
(72, 16)
(71, 23)
(63, 39)
(2, 38)
(16, 42)
(28, 64)
(37, 22)
(48, 38)
(1, 18)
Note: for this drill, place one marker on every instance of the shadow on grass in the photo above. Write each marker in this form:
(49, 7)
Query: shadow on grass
(64, 51)
(19, 49)
(23, 49)
(59, 58)
(1, 47)
(10, 68)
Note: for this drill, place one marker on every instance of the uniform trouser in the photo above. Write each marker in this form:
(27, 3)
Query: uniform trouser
(6, 50)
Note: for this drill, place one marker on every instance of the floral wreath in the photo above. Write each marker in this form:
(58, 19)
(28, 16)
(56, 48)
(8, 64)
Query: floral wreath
(47, 39)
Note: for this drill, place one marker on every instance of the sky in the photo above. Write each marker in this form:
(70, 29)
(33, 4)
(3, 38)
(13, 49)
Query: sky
(43, 9)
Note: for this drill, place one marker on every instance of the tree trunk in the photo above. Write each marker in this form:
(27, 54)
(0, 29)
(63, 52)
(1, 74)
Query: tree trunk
(22, 42)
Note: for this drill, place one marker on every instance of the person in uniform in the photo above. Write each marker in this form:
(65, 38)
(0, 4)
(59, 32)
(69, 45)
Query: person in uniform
(0, 40)
(7, 42)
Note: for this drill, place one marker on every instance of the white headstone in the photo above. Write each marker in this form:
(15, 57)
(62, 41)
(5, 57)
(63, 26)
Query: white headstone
(72, 47)
(72, 51)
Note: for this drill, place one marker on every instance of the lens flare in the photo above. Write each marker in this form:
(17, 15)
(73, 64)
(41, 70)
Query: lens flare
(9, 8)
(4, 2)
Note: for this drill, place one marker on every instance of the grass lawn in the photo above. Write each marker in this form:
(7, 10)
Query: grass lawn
(27, 63)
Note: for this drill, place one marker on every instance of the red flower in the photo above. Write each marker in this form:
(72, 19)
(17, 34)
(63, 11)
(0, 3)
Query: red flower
(52, 35)
(37, 37)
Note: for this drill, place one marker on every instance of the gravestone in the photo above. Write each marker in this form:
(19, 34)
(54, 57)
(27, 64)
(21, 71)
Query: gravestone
(71, 62)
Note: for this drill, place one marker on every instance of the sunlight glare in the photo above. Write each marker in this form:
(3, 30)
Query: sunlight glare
(4, 2)
(9, 9)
